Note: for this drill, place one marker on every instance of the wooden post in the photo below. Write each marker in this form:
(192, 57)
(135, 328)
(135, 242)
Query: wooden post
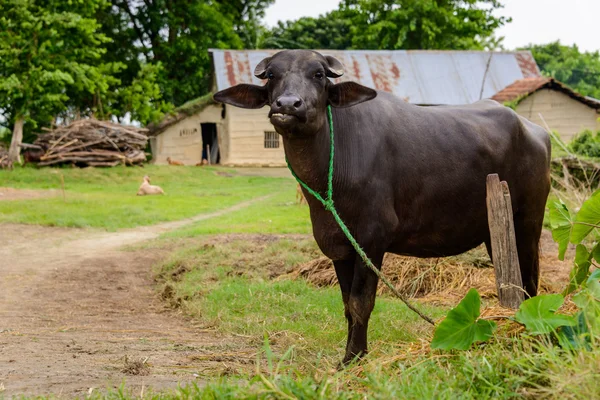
(504, 244)
(208, 153)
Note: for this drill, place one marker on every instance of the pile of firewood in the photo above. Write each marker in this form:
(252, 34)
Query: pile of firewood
(89, 142)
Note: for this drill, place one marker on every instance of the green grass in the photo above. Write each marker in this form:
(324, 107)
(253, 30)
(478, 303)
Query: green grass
(241, 284)
(279, 214)
(232, 287)
(105, 198)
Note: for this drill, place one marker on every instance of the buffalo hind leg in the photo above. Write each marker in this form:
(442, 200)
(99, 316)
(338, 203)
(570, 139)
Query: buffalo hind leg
(345, 273)
(528, 229)
(360, 304)
(488, 247)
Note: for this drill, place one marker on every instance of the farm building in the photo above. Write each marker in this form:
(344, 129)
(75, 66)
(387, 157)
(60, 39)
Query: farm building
(246, 137)
(563, 110)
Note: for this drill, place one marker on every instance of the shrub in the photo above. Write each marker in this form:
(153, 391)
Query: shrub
(586, 143)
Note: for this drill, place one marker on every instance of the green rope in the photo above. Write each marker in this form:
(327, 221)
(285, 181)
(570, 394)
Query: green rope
(328, 204)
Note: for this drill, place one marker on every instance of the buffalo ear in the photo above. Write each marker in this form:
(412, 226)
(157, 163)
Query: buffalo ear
(261, 69)
(244, 96)
(347, 94)
(335, 69)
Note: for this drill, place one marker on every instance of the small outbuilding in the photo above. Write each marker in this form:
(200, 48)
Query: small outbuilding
(546, 101)
(240, 137)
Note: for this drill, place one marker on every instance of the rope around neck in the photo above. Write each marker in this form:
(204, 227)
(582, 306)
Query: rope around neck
(328, 204)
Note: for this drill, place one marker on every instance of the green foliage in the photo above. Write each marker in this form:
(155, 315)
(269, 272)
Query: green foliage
(585, 333)
(538, 314)
(246, 16)
(578, 229)
(48, 50)
(578, 70)
(329, 31)
(54, 63)
(581, 269)
(398, 24)
(586, 143)
(143, 98)
(561, 224)
(587, 219)
(462, 326)
(177, 34)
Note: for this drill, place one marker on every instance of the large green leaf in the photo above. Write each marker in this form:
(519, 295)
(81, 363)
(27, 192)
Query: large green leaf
(593, 284)
(538, 314)
(588, 299)
(560, 222)
(587, 218)
(577, 336)
(596, 252)
(581, 269)
(461, 327)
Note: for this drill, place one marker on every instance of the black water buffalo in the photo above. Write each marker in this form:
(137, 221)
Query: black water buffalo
(408, 180)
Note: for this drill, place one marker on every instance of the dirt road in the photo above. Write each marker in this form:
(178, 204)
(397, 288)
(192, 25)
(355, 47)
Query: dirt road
(78, 314)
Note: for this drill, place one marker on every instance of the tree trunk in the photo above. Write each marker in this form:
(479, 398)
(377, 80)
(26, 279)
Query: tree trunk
(14, 153)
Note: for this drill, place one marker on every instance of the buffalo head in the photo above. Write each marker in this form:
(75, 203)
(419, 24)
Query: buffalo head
(297, 90)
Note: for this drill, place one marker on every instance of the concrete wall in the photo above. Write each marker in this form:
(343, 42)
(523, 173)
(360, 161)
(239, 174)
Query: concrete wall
(182, 141)
(562, 113)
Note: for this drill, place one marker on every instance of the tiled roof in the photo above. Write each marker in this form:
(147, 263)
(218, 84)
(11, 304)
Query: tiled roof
(525, 87)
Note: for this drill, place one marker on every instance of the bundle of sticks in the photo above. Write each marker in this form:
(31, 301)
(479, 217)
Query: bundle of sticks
(89, 142)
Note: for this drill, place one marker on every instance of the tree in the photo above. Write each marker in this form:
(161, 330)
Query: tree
(47, 50)
(579, 70)
(246, 16)
(398, 24)
(177, 34)
(329, 31)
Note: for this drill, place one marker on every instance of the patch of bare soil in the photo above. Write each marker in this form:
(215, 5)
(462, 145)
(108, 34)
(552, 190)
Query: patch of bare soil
(7, 193)
(446, 280)
(78, 314)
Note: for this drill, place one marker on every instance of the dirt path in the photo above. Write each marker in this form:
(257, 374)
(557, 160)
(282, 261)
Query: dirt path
(77, 314)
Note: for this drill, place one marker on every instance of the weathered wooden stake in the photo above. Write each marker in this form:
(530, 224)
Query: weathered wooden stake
(504, 244)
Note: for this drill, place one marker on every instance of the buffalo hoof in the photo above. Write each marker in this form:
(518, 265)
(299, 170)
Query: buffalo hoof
(351, 359)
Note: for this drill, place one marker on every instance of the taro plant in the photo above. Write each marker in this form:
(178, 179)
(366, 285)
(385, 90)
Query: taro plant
(462, 326)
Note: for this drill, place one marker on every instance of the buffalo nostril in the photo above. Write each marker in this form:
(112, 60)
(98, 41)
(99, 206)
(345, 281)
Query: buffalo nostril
(278, 103)
(298, 103)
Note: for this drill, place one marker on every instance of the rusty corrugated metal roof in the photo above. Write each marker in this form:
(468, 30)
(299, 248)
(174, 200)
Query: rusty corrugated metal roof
(419, 76)
(525, 87)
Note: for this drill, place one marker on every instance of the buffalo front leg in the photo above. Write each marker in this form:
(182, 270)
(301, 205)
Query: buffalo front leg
(345, 273)
(360, 306)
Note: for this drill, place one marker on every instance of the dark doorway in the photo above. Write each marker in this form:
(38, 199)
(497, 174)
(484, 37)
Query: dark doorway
(210, 143)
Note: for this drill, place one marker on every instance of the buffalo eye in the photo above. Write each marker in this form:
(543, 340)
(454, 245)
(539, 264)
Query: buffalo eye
(270, 75)
(319, 75)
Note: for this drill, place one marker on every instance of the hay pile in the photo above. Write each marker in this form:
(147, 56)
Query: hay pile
(436, 280)
(89, 142)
